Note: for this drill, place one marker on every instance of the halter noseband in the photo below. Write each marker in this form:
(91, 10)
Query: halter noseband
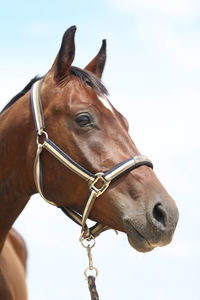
(104, 178)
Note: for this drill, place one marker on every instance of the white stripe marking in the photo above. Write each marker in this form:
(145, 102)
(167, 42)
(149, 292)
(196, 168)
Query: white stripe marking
(105, 102)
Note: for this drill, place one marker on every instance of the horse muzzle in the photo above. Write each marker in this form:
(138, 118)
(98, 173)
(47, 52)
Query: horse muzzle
(153, 227)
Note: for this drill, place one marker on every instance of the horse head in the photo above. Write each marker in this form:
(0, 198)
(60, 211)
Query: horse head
(80, 119)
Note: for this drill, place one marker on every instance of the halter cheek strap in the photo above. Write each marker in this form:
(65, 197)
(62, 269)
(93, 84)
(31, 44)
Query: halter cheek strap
(94, 180)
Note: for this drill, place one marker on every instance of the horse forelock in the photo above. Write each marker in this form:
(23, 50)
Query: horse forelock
(89, 79)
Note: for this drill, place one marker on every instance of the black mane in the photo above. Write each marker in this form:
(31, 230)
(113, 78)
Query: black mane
(22, 93)
(84, 76)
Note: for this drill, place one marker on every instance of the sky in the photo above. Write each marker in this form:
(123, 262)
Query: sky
(152, 74)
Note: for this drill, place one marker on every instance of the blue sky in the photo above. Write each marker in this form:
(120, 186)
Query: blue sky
(153, 74)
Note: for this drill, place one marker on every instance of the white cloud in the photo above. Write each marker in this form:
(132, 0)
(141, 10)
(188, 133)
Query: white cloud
(167, 28)
(186, 51)
(163, 40)
(176, 9)
(173, 114)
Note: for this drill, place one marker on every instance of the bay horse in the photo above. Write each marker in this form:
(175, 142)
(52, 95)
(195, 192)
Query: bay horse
(80, 135)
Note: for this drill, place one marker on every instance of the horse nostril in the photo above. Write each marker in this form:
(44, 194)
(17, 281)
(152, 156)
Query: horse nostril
(159, 214)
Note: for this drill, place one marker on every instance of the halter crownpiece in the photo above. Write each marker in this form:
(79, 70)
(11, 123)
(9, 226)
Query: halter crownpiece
(94, 180)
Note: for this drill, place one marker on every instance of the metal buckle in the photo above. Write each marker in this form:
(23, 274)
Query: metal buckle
(105, 184)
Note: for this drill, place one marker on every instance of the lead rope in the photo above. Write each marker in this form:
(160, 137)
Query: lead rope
(90, 272)
(92, 288)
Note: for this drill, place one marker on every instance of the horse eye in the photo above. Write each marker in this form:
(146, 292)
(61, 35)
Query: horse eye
(83, 120)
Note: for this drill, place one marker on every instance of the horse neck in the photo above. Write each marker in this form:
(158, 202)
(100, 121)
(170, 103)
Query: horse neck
(16, 179)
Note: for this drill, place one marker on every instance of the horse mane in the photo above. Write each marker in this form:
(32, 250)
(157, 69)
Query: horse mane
(22, 93)
(85, 76)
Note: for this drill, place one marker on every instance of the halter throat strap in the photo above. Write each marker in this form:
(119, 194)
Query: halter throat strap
(94, 180)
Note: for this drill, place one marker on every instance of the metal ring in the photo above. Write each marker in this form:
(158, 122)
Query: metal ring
(90, 242)
(93, 269)
(40, 133)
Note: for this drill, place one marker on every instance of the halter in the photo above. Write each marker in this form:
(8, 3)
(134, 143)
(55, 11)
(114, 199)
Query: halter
(94, 180)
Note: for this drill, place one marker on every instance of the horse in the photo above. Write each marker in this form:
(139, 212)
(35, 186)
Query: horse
(63, 127)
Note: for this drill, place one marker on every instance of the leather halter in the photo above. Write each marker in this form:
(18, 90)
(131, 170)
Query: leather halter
(102, 178)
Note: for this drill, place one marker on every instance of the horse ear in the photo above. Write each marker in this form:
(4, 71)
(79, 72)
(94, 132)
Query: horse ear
(65, 55)
(96, 66)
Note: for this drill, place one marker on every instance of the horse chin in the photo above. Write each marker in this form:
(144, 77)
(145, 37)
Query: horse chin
(140, 246)
(136, 240)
